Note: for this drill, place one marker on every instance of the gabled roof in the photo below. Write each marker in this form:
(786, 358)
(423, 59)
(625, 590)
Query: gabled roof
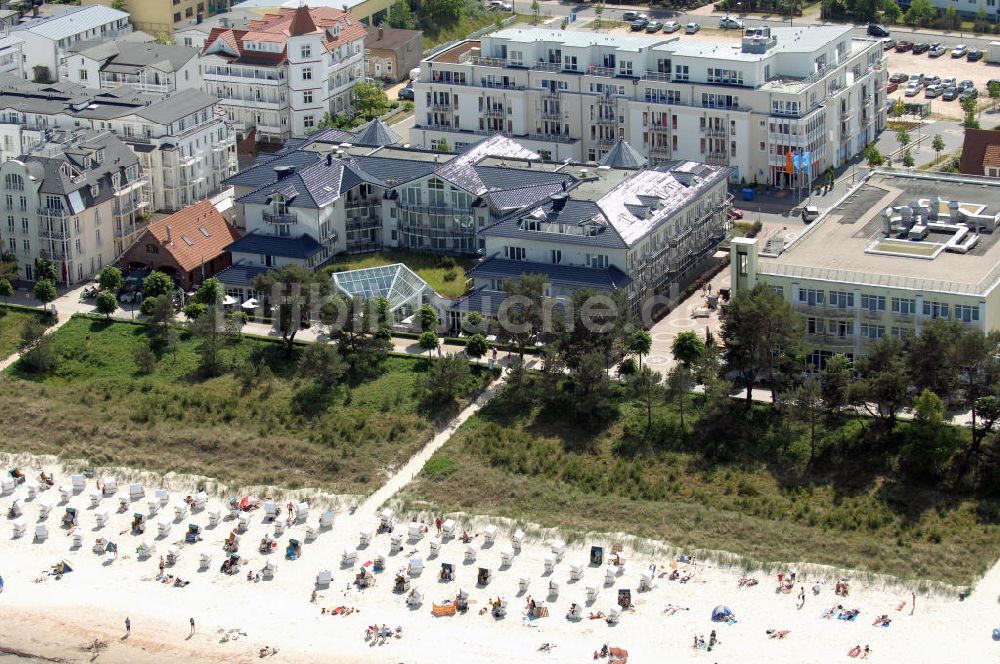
(460, 170)
(263, 173)
(623, 155)
(610, 278)
(974, 149)
(71, 22)
(301, 247)
(197, 235)
(312, 187)
(391, 39)
(376, 134)
(992, 156)
(240, 274)
(129, 55)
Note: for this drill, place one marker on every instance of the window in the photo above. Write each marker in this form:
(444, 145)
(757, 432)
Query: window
(842, 328)
(308, 121)
(902, 305)
(10, 223)
(811, 297)
(967, 313)
(26, 245)
(814, 325)
(936, 309)
(307, 97)
(177, 17)
(873, 302)
(872, 332)
(14, 182)
(778, 290)
(83, 74)
(514, 253)
(305, 51)
(307, 73)
(556, 256)
(681, 73)
(901, 332)
(24, 224)
(189, 12)
(599, 261)
(841, 299)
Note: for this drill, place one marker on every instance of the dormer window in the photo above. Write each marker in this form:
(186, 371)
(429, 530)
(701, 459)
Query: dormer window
(94, 190)
(279, 205)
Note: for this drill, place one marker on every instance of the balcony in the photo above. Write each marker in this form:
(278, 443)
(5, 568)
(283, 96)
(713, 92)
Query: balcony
(243, 74)
(717, 158)
(554, 67)
(550, 94)
(280, 217)
(494, 112)
(606, 141)
(651, 75)
(488, 62)
(659, 127)
(659, 150)
(53, 213)
(604, 121)
(714, 132)
(551, 114)
(53, 234)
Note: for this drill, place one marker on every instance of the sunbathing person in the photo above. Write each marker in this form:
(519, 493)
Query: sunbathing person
(597, 616)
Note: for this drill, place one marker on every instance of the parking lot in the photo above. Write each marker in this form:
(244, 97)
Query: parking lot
(944, 66)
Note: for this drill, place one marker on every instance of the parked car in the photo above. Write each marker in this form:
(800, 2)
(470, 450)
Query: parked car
(730, 23)
(810, 213)
(632, 16)
(975, 55)
(949, 82)
(950, 93)
(876, 30)
(639, 24)
(968, 93)
(932, 80)
(406, 93)
(959, 51)
(891, 87)
(919, 78)
(501, 5)
(899, 77)
(964, 85)
(691, 28)
(932, 91)
(735, 213)
(936, 51)
(671, 27)
(912, 89)
(888, 44)
(654, 26)
(922, 47)
(904, 46)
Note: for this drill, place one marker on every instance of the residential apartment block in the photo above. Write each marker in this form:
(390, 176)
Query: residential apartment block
(745, 103)
(182, 141)
(369, 12)
(195, 33)
(156, 16)
(144, 65)
(12, 55)
(900, 250)
(285, 71)
(75, 199)
(48, 40)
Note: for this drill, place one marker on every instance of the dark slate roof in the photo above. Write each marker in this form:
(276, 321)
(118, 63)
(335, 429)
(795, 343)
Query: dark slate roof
(313, 187)
(376, 134)
(573, 276)
(272, 245)
(337, 136)
(512, 178)
(573, 213)
(517, 199)
(393, 172)
(623, 155)
(263, 173)
(240, 274)
(483, 300)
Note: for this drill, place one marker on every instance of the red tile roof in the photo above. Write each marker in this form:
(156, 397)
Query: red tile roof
(974, 150)
(992, 156)
(188, 245)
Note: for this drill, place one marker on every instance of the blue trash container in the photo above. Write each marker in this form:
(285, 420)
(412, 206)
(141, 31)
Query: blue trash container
(748, 194)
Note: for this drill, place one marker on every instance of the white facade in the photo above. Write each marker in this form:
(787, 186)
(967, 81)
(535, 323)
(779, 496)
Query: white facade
(47, 40)
(91, 71)
(12, 56)
(743, 104)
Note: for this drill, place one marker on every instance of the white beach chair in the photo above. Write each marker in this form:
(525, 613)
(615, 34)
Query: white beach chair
(31, 488)
(122, 504)
(270, 568)
(395, 543)
(610, 572)
(214, 516)
(146, 549)
(576, 572)
(559, 549)
(470, 553)
(463, 594)
(415, 566)
(523, 583)
(79, 483)
(435, 545)
(592, 593)
(378, 563)
(575, 612)
(279, 528)
(173, 554)
(163, 496)
(385, 517)
(17, 507)
(324, 577)
(243, 522)
(77, 540)
(489, 535)
(414, 531)
(621, 564)
(517, 539)
(135, 491)
(364, 538)
(20, 526)
(270, 511)
(326, 520)
(153, 506)
(65, 493)
(41, 532)
(200, 500)
(500, 611)
(349, 557)
(312, 530)
(7, 484)
(549, 562)
(180, 510)
(95, 498)
(553, 588)
(205, 559)
(506, 557)
(614, 615)
(448, 528)
(415, 598)
(645, 582)
(44, 507)
(101, 516)
(301, 512)
(163, 525)
(110, 486)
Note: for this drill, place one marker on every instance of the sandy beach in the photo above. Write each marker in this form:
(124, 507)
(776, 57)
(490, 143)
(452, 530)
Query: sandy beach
(61, 618)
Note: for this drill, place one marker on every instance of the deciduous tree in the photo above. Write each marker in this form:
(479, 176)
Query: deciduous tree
(110, 279)
(322, 364)
(156, 284)
(882, 388)
(296, 291)
(106, 303)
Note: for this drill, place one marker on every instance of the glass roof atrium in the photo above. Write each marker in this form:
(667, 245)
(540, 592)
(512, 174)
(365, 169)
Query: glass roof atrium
(397, 283)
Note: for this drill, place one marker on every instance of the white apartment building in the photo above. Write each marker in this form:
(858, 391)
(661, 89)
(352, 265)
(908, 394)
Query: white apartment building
(47, 40)
(285, 71)
(901, 249)
(195, 33)
(745, 103)
(12, 55)
(146, 66)
(75, 199)
(183, 142)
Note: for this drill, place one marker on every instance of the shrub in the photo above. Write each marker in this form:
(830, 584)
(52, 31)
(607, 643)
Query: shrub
(450, 275)
(446, 262)
(440, 467)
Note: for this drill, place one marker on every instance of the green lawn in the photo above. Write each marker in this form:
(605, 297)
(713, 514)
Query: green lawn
(514, 460)
(12, 321)
(425, 265)
(98, 406)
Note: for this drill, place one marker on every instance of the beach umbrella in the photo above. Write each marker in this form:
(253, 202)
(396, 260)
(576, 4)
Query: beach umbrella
(229, 301)
(250, 304)
(720, 613)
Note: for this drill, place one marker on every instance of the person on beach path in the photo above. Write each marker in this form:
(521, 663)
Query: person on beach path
(192, 628)
(128, 626)
(913, 600)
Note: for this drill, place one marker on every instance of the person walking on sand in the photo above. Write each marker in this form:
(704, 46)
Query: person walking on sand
(802, 596)
(192, 628)
(128, 626)
(913, 601)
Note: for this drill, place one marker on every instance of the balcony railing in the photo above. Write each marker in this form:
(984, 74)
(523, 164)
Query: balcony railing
(551, 114)
(604, 121)
(714, 132)
(280, 217)
(717, 158)
(659, 150)
(489, 62)
(55, 213)
(442, 106)
(494, 112)
(53, 234)
(651, 75)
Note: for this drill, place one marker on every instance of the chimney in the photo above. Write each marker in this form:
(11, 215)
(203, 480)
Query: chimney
(329, 159)
(169, 239)
(558, 201)
(380, 32)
